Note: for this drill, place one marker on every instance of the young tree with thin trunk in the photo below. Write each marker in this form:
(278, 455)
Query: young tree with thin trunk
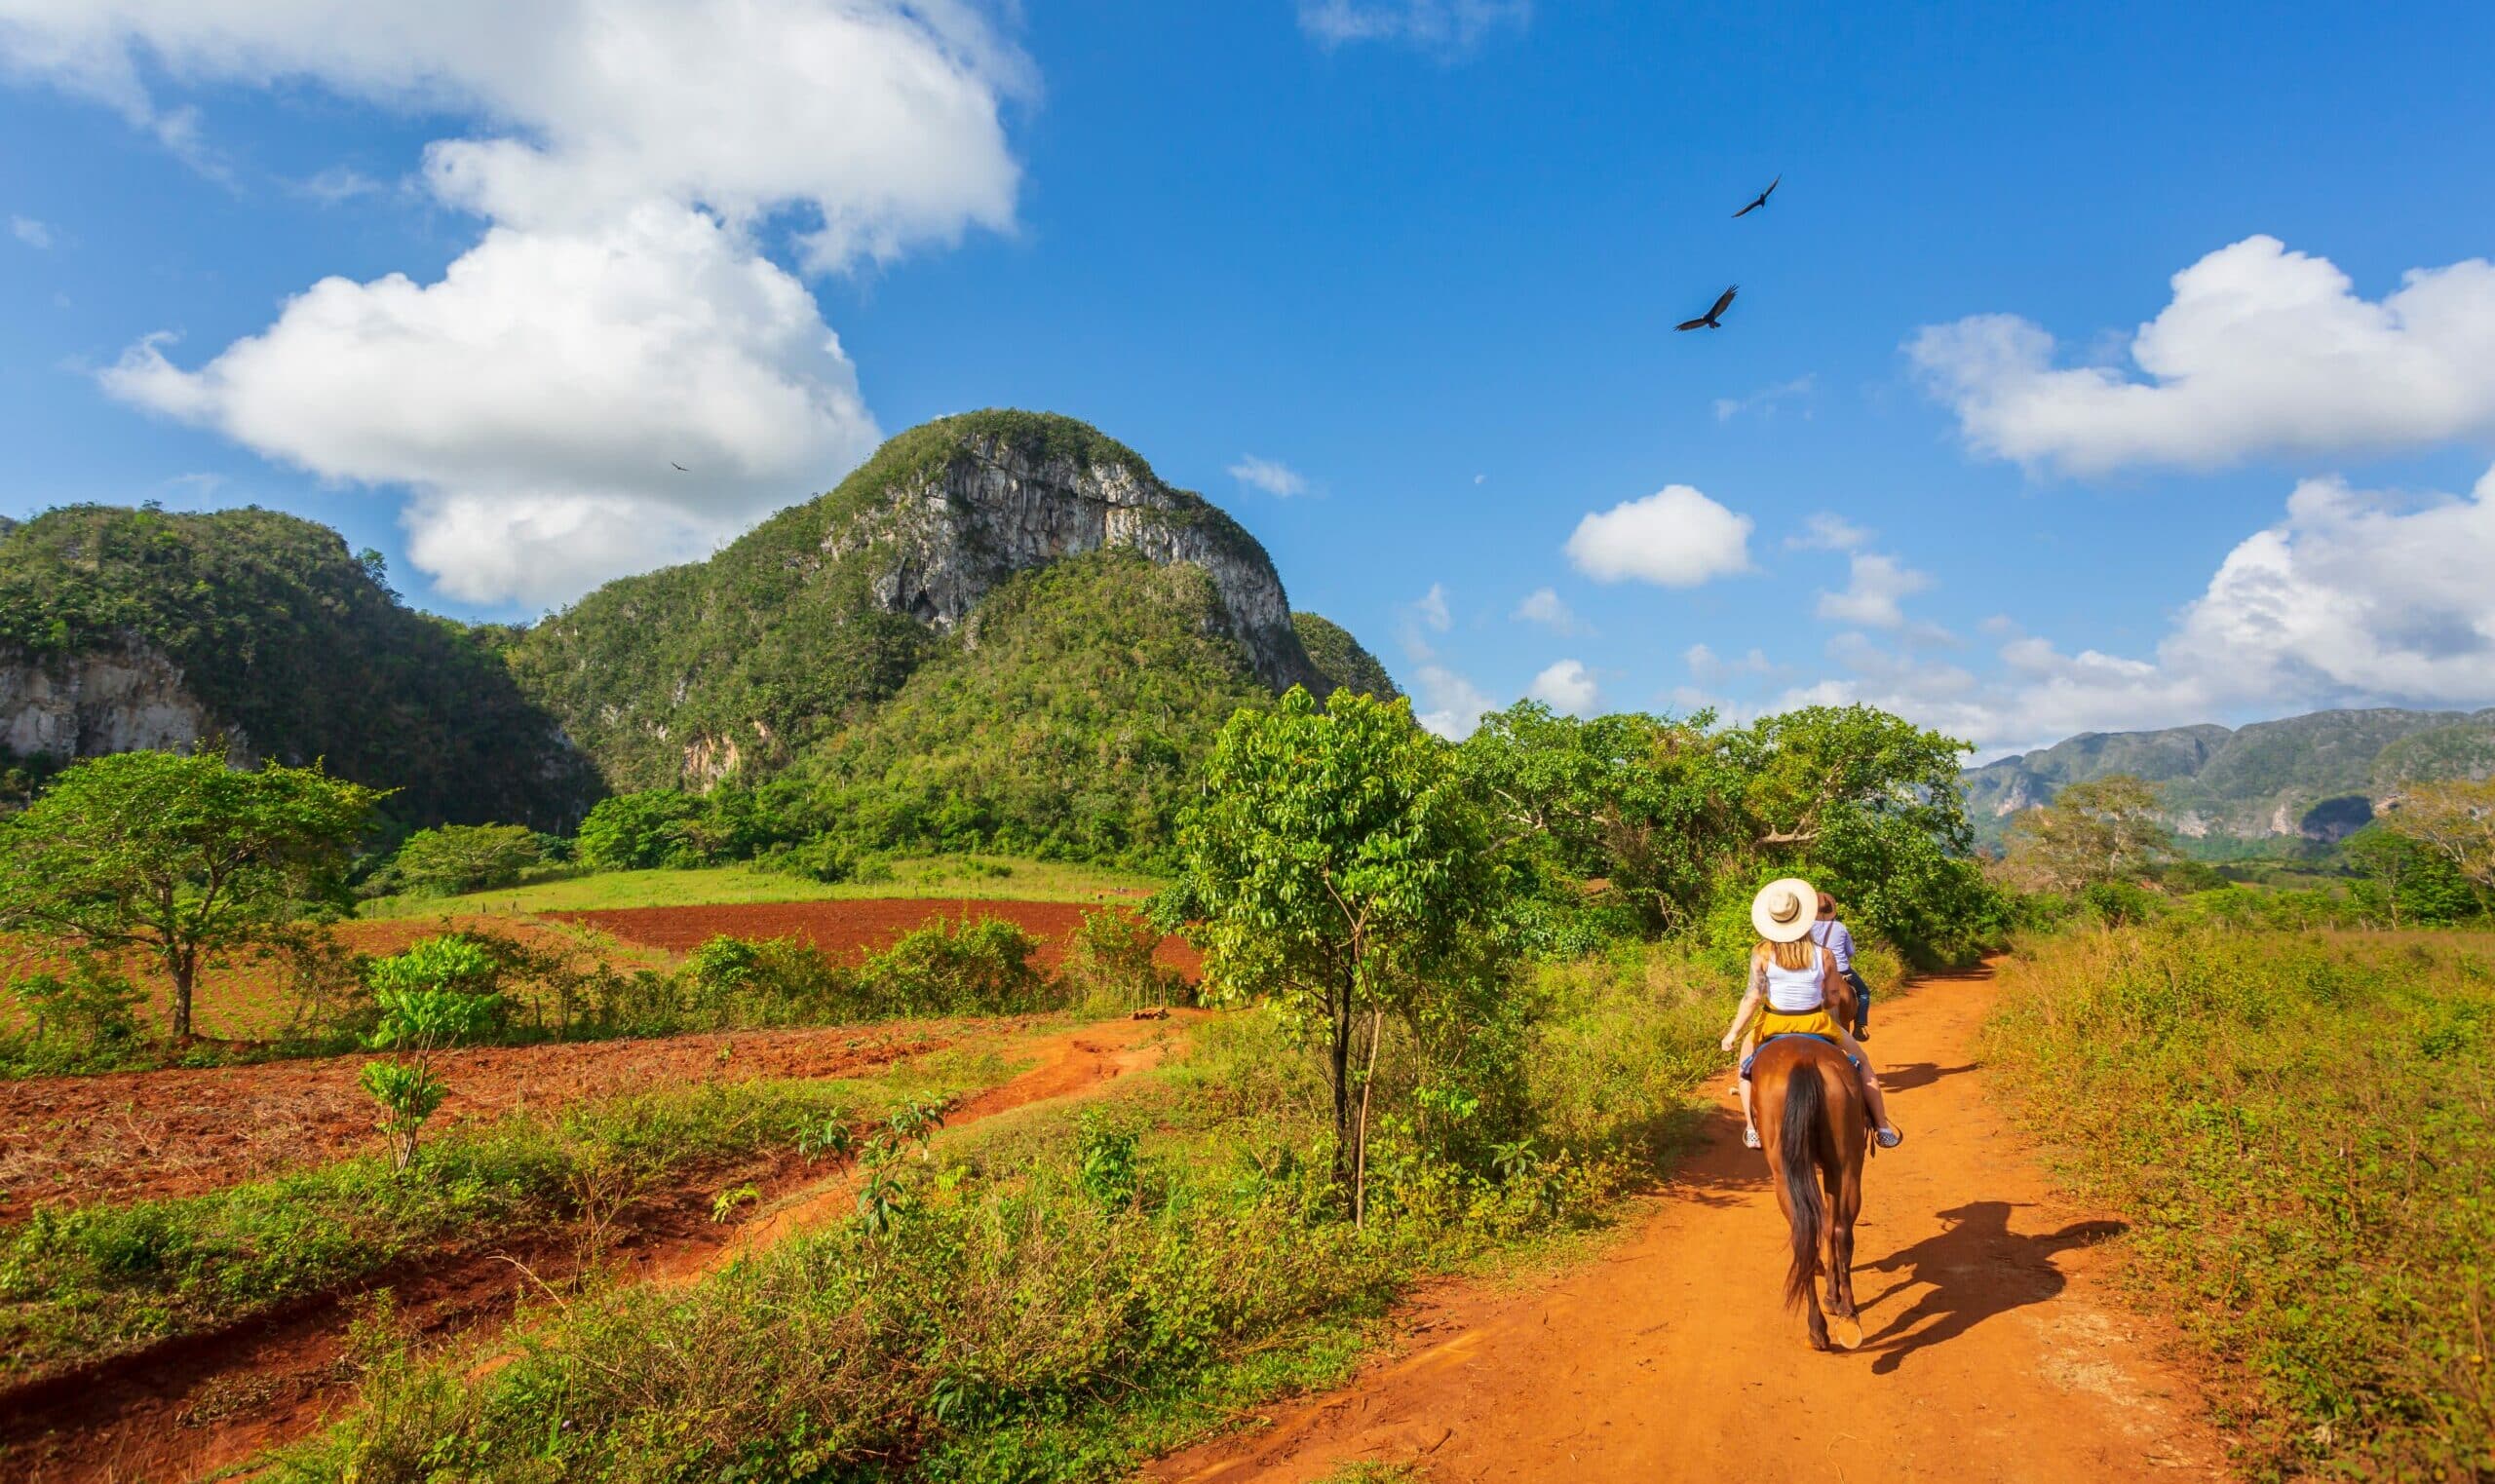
(1333, 863)
(179, 858)
(2103, 830)
(2456, 820)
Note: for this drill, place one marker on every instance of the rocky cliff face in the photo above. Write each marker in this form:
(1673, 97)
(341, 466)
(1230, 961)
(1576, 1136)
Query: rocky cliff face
(944, 540)
(113, 701)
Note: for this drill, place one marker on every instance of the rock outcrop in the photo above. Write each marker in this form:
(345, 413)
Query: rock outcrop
(109, 701)
(941, 541)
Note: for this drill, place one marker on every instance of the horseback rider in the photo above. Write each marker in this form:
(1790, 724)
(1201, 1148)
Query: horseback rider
(1792, 989)
(1830, 933)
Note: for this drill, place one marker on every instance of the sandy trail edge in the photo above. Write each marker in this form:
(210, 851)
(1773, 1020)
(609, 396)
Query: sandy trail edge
(1995, 1350)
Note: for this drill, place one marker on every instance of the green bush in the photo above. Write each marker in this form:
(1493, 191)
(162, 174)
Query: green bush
(455, 858)
(2297, 1125)
(639, 832)
(86, 1020)
(981, 966)
(1109, 965)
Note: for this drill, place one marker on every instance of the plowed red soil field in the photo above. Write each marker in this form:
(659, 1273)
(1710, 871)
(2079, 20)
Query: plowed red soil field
(850, 929)
(129, 1135)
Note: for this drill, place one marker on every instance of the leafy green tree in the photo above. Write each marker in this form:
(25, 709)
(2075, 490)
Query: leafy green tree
(463, 858)
(2412, 883)
(437, 994)
(2104, 830)
(1333, 865)
(180, 859)
(2456, 822)
(638, 831)
(1645, 802)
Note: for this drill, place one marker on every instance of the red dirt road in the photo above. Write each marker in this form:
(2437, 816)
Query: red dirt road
(1995, 1347)
(850, 929)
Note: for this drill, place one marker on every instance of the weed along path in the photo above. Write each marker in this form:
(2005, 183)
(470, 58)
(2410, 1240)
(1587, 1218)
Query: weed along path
(206, 1404)
(1994, 1348)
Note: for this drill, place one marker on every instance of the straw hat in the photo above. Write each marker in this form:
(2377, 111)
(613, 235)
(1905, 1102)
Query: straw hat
(1783, 910)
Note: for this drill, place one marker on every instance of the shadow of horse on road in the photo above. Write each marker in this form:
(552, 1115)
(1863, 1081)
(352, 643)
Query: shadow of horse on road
(1977, 1268)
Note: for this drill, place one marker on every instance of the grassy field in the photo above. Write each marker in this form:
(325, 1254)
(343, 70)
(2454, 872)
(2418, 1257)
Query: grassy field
(2300, 1128)
(979, 878)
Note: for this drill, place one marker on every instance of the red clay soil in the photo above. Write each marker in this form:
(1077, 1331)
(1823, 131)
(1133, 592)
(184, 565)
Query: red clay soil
(1996, 1348)
(209, 1404)
(849, 930)
(130, 1135)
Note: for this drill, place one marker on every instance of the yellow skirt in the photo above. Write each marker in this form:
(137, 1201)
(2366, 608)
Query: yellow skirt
(1818, 1023)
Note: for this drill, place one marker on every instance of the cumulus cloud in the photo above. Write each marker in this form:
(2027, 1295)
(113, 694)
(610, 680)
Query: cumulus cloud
(1431, 608)
(32, 233)
(618, 315)
(1275, 479)
(1566, 686)
(2354, 598)
(2261, 350)
(1871, 597)
(1545, 607)
(1448, 703)
(1436, 25)
(1673, 538)
(536, 398)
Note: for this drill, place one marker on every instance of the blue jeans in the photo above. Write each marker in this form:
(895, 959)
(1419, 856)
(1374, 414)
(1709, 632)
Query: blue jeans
(1861, 1003)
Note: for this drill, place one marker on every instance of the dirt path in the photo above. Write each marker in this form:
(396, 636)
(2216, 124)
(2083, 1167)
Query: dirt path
(207, 1403)
(1994, 1349)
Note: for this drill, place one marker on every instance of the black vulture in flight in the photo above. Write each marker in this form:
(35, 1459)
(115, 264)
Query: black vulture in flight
(1762, 198)
(1708, 320)
(678, 468)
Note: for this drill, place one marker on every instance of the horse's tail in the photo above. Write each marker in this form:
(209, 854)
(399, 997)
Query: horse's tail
(1805, 1102)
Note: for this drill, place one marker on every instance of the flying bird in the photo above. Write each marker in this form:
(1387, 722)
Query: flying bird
(678, 468)
(1708, 320)
(1762, 198)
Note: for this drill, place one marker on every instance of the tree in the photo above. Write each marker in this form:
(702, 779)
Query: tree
(2456, 820)
(638, 831)
(2412, 882)
(1333, 863)
(179, 858)
(463, 858)
(2104, 830)
(437, 994)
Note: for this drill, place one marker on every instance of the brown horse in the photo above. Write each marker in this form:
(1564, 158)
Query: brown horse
(1817, 1135)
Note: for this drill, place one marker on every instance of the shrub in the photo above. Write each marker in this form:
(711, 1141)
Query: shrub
(437, 994)
(84, 1020)
(1109, 965)
(981, 966)
(456, 859)
(639, 832)
(2297, 1125)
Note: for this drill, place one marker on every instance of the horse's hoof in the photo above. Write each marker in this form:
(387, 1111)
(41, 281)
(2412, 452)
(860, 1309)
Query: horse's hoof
(1846, 1330)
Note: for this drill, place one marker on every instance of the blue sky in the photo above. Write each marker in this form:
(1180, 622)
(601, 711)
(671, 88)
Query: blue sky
(1423, 256)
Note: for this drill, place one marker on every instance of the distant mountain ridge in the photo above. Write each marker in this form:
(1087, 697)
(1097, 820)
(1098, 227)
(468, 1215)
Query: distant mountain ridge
(2318, 777)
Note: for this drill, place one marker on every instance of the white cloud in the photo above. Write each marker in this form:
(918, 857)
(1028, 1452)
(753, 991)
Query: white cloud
(1709, 668)
(1449, 705)
(1278, 479)
(1825, 532)
(1439, 25)
(1431, 608)
(879, 118)
(1545, 606)
(2261, 350)
(1871, 597)
(2354, 598)
(618, 315)
(535, 398)
(1675, 538)
(1566, 686)
(1766, 400)
(32, 233)
(337, 184)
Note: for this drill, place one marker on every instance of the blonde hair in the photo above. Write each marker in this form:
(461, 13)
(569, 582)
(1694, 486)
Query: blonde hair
(1801, 953)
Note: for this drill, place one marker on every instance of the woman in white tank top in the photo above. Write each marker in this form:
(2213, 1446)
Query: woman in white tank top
(1792, 990)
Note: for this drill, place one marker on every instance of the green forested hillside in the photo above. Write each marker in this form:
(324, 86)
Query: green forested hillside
(2314, 775)
(789, 634)
(282, 635)
(1064, 719)
(1341, 660)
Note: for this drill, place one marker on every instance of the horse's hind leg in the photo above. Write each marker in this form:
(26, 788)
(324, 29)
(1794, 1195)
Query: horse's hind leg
(1845, 1203)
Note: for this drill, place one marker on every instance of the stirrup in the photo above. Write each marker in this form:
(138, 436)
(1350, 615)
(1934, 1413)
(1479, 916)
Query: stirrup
(1890, 1138)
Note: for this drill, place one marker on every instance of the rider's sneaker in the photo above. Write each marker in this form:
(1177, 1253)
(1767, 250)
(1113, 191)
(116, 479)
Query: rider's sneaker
(1890, 1138)
(1750, 1138)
